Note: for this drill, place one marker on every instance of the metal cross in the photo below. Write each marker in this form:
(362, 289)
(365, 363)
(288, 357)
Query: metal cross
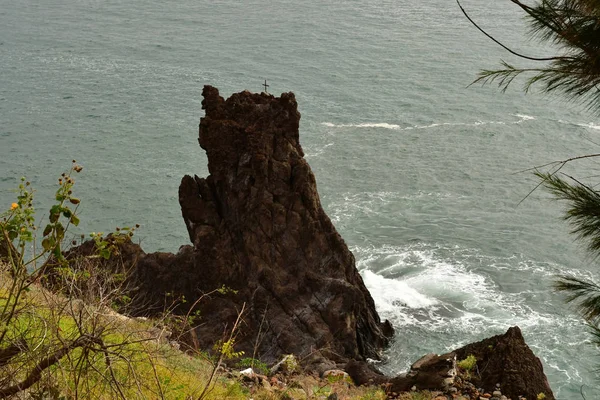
(266, 86)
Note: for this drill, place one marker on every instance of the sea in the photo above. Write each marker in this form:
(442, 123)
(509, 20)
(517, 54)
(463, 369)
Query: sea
(428, 179)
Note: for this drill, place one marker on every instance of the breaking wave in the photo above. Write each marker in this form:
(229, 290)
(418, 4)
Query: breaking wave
(430, 292)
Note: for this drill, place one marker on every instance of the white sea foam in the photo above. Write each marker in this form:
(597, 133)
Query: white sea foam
(391, 295)
(589, 125)
(445, 294)
(386, 125)
(433, 291)
(524, 118)
(349, 205)
(363, 125)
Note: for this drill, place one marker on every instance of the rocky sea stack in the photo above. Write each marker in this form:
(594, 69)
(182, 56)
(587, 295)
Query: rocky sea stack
(258, 228)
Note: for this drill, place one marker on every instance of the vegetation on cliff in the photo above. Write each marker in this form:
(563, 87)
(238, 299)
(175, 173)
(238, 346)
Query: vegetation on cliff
(70, 343)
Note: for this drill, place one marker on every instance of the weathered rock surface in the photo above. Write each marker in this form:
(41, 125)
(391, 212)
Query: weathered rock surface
(431, 372)
(507, 360)
(258, 228)
(504, 359)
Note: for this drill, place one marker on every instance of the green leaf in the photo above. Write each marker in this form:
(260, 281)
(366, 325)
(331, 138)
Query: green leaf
(48, 243)
(60, 231)
(74, 219)
(105, 253)
(47, 229)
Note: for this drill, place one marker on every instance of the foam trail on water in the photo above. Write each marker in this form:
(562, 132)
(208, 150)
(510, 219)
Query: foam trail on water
(385, 125)
(364, 125)
(523, 118)
(589, 125)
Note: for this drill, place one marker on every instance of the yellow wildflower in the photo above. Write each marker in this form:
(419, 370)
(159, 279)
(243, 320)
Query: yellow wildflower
(14, 206)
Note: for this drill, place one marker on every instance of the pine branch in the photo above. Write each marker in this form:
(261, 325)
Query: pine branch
(573, 25)
(584, 208)
(585, 294)
(595, 331)
(499, 43)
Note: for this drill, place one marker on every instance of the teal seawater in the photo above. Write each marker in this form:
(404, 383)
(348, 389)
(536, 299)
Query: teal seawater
(416, 169)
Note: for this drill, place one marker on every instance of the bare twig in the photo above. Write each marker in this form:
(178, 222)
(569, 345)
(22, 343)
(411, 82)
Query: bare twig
(558, 166)
(210, 384)
(258, 340)
(36, 373)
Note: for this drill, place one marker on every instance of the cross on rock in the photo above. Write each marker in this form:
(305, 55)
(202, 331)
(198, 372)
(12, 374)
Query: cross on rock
(266, 86)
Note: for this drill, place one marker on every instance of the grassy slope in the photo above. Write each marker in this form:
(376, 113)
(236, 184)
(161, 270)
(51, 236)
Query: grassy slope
(143, 361)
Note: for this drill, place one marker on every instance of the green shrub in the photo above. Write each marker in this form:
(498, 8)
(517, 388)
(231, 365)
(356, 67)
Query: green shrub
(56, 345)
(468, 363)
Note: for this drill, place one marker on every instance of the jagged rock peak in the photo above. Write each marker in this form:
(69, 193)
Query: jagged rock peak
(507, 360)
(257, 226)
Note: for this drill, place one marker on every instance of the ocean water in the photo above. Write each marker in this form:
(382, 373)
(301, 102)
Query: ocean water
(419, 172)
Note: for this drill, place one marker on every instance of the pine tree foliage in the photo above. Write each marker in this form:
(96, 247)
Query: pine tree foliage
(573, 26)
(584, 293)
(583, 211)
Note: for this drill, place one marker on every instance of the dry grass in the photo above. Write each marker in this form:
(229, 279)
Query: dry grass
(144, 361)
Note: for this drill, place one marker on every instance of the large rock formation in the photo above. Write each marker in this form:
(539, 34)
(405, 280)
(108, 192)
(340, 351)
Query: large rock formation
(258, 228)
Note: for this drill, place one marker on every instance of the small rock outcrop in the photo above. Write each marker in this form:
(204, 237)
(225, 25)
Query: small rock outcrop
(258, 228)
(504, 362)
(430, 372)
(508, 361)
